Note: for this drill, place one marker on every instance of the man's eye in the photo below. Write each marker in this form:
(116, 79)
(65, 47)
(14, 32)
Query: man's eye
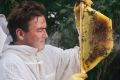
(41, 30)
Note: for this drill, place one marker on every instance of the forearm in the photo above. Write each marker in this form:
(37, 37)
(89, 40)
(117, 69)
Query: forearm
(69, 63)
(3, 37)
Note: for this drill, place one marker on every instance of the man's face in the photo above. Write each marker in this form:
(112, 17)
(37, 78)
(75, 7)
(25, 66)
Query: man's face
(37, 34)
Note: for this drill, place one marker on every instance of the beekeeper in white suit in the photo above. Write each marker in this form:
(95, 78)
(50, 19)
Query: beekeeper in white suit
(27, 57)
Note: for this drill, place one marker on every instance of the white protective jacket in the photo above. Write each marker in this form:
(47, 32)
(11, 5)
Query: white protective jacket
(21, 62)
(3, 26)
(3, 37)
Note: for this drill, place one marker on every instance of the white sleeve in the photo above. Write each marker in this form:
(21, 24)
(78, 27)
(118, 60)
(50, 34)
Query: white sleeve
(3, 25)
(3, 37)
(68, 63)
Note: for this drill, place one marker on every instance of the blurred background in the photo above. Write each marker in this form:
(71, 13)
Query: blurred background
(62, 32)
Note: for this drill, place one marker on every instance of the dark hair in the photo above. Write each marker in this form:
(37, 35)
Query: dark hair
(22, 14)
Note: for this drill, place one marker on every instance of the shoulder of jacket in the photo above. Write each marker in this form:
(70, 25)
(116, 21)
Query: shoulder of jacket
(10, 58)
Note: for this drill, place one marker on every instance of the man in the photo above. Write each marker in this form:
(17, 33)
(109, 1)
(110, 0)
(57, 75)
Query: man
(27, 57)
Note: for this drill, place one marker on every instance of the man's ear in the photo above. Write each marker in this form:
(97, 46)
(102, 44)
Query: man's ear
(20, 34)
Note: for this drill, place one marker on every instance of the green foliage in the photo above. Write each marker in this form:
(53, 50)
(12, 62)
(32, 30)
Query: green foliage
(63, 22)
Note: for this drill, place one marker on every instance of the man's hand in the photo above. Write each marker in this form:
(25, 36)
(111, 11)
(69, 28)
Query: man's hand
(79, 76)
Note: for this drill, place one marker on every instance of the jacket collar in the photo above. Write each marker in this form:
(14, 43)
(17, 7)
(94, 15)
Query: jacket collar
(23, 49)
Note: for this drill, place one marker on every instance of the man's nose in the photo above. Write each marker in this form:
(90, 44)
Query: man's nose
(45, 34)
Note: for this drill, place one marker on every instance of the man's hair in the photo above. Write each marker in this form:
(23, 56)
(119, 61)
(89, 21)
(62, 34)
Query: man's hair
(22, 14)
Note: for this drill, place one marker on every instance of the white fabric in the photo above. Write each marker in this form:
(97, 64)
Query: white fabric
(21, 62)
(3, 25)
(3, 37)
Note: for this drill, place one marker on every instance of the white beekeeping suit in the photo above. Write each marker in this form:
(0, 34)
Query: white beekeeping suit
(5, 37)
(2, 39)
(3, 25)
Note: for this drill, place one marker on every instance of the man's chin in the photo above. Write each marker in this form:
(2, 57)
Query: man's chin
(41, 47)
